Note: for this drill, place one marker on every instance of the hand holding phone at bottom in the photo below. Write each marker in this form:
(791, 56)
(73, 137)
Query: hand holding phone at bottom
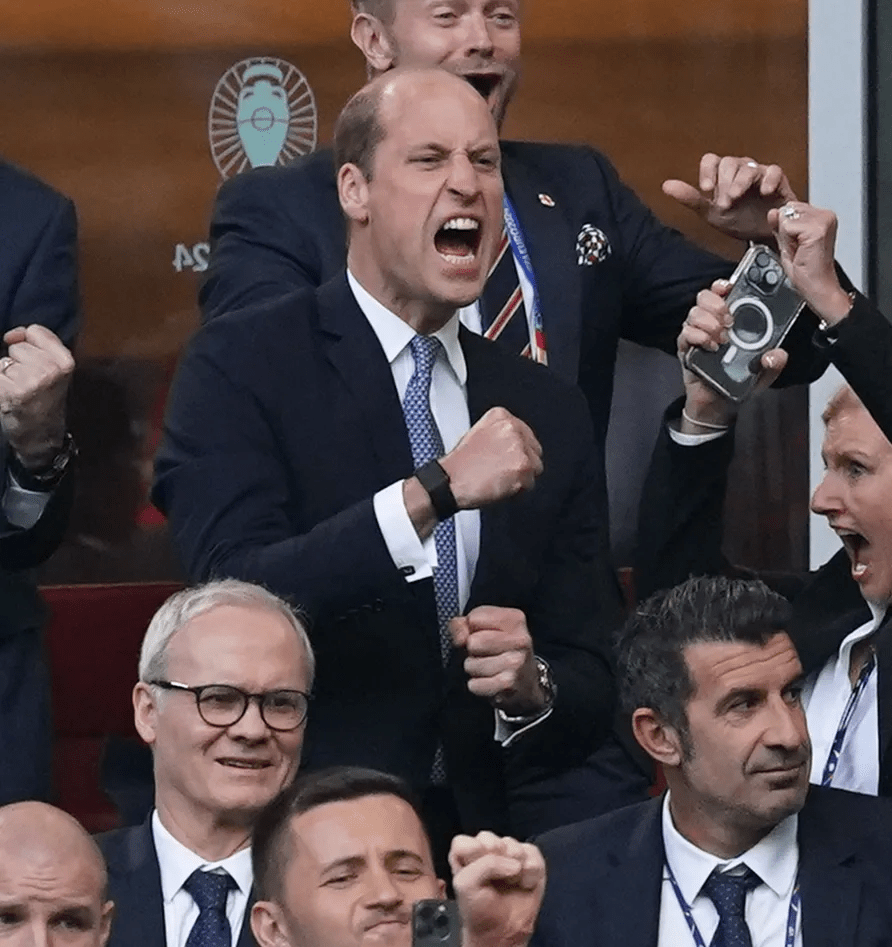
(499, 883)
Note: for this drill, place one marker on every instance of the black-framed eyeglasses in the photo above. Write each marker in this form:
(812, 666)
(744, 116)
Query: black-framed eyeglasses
(222, 705)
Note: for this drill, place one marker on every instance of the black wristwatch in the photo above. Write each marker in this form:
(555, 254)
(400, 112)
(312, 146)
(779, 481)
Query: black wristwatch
(435, 480)
(43, 479)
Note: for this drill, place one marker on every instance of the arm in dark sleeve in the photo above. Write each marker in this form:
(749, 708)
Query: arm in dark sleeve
(233, 503)
(863, 354)
(681, 512)
(259, 252)
(662, 270)
(48, 294)
(48, 291)
(576, 608)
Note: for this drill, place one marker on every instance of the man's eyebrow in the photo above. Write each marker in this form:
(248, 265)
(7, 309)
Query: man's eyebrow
(350, 861)
(400, 853)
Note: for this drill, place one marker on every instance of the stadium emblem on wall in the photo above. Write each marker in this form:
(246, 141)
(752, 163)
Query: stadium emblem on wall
(262, 113)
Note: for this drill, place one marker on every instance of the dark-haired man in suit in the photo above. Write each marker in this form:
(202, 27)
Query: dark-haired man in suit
(357, 451)
(740, 851)
(584, 263)
(39, 314)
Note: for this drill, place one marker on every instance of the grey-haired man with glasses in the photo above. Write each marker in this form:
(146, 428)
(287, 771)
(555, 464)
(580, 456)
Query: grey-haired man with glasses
(225, 674)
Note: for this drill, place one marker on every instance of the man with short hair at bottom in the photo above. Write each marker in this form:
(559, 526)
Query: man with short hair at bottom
(741, 851)
(430, 499)
(342, 855)
(53, 884)
(841, 616)
(225, 672)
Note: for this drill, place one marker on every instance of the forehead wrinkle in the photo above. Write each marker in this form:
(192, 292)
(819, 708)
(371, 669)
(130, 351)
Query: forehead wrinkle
(750, 656)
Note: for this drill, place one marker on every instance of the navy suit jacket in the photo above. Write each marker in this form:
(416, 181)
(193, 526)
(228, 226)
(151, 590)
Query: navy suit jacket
(605, 875)
(681, 522)
(283, 422)
(134, 884)
(38, 284)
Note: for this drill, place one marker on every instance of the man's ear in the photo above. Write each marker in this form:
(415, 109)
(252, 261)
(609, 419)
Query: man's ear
(353, 192)
(374, 42)
(106, 914)
(268, 925)
(145, 712)
(441, 889)
(657, 738)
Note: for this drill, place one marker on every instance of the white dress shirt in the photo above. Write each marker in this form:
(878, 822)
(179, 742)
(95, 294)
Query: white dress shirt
(775, 860)
(415, 558)
(449, 405)
(21, 507)
(176, 863)
(825, 696)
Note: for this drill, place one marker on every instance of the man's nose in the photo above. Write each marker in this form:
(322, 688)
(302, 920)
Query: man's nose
(463, 177)
(251, 725)
(383, 892)
(478, 39)
(787, 728)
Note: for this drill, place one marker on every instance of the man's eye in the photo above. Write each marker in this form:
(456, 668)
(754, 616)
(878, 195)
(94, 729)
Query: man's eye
(72, 922)
(9, 916)
(340, 880)
(794, 695)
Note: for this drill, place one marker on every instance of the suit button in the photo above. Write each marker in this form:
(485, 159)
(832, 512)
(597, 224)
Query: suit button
(378, 605)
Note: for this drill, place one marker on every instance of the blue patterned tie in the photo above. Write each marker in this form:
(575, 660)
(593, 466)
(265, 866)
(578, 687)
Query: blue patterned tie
(427, 445)
(209, 890)
(728, 893)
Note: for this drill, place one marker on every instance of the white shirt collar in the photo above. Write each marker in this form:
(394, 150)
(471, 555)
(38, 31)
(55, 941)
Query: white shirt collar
(775, 859)
(176, 862)
(859, 634)
(395, 334)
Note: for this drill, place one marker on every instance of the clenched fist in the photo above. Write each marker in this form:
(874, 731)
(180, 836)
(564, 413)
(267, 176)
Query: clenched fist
(498, 458)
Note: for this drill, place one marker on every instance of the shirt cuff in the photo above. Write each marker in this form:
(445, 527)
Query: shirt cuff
(507, 731)
(21, 507)
(692, 440)
(414, 559)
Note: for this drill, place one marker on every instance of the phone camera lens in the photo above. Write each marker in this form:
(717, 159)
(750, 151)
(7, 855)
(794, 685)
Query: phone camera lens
(754, 274)
(762, 258)
(752, 325)
(772, 278)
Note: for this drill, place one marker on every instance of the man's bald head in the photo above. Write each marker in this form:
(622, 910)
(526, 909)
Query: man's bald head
(362, 124)
(52, 875)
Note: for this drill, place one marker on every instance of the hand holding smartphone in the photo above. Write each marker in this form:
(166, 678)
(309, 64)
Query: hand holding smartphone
(764, 306)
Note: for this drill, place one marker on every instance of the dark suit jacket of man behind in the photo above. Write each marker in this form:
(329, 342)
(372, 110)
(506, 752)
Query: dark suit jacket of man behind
(38, 284)
(134, 884)
(605, 875)
(681, 521)
(283, 423)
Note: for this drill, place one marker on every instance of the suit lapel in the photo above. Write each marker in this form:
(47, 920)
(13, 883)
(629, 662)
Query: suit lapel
(136, 887)
(884, 708)
(486, 389)
(353, 349)
(636, 881)
(831, 891)
(551, 245)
